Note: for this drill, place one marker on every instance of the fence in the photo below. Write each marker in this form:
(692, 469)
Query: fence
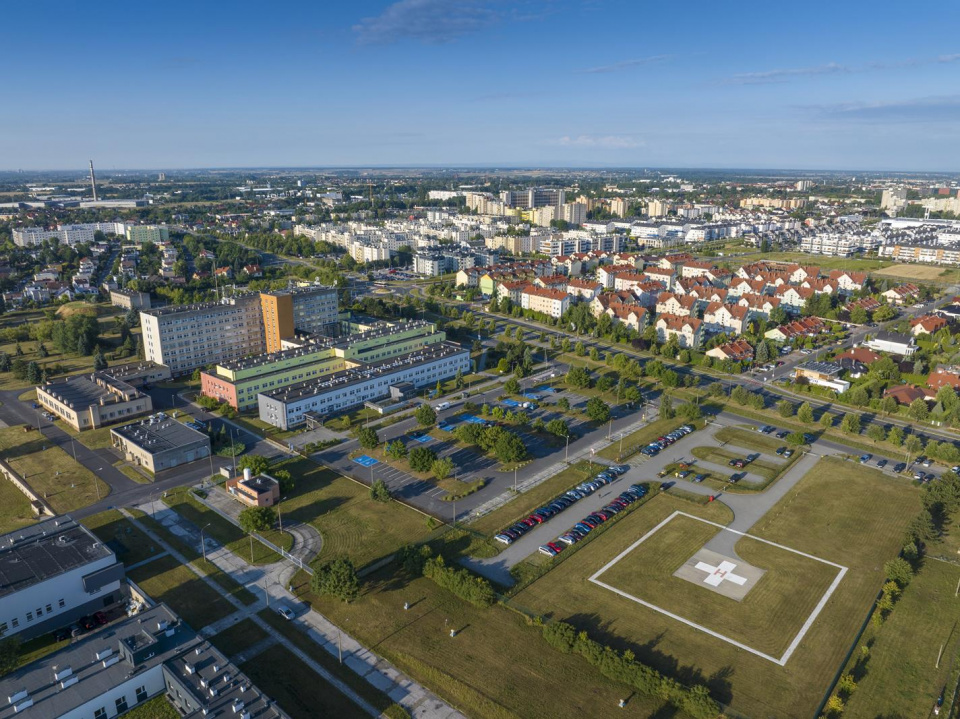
(39, 504)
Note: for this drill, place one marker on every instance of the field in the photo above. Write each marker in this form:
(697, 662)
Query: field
(749, 439)
(49, 470)
(498, 666)
(129, 543)
(722, 456)
(360, 529)
(766, 620)
(840, 512)
(15, 511)
(241, 636)
(166, 580)
(919, 272)
(825, 262)
(299, 690)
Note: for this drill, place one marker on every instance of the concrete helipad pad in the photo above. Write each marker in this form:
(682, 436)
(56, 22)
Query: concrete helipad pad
(730, 577)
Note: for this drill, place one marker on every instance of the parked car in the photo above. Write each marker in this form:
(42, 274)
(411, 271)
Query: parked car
(899, 467)
(737, 476)
(767, 429)
(788, 453)
(864, 458)
(504, 538)
(284, 611)
(882, 463)
(699, 478)
(781, 450)
(87, 623)
(100, 618)
(683, 474)
(782, 434)
(548, 550)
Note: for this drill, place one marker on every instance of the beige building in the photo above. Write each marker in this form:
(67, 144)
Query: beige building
(619, 207)
(130, 300)
(260, 491)
(550, 302)
(92, 401)
(160, 442)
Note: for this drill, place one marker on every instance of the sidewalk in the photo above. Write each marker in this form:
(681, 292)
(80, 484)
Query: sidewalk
(271, 582)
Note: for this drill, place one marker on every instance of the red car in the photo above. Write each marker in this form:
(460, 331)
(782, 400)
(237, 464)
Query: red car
(536, 518)
(100, 618)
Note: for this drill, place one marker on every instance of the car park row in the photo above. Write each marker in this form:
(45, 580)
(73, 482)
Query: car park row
(654, 448)
(594, 520)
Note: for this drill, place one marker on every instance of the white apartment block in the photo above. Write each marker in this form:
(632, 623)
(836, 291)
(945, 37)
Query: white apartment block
(190, 336)
(549, 302)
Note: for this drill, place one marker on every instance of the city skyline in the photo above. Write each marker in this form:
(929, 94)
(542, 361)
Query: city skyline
(425, 83)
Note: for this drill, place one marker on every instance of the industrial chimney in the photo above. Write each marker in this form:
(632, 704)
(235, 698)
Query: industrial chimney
(93, 181)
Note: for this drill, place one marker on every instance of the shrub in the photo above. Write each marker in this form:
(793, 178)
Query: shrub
(421, 459)
(461, 582)
(379, 491)
(337, 578)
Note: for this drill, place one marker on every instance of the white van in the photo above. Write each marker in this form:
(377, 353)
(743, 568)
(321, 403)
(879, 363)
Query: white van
(442, 406)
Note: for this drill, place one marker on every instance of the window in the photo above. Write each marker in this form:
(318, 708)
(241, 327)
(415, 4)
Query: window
(100, 713)
(121, 704)
(15, 623)
(29, 616)
(141, 694)
(39, 611)
(49, 609)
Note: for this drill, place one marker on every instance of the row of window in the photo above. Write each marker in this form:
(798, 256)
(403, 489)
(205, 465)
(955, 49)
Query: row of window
(37, 613)
(121, 703)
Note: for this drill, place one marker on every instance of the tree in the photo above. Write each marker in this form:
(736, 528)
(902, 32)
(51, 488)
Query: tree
(796, 439)
(858, 316)
(918, 409)
(913, 445)
(922, 528)
(785, 408)
(337, 578)
(257, 519)
(256, 463)
(83, 346)
(834, 706)
(558, 427)
(888, 405)
(669, 379)
(850, 423)
(99, 361)
(9, 654)
(597, 410)
(425, 415)
(140, 353)
(509, 448)
(578, 377)
(442, 468)
(895, 436)
(898, 570)
(379, 491)
(666, 407)
(503, 366)
(397, 450)
(805, 413)
(876, 433)
(884, 313)
(367, 437)
(33, 373)
(42, 351)
(421, 459)
(762, 353)
(512, 386)
(689, 411)
(4, 362)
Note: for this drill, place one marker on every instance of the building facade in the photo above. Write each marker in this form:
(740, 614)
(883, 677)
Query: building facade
(159, 443)
(89, 402)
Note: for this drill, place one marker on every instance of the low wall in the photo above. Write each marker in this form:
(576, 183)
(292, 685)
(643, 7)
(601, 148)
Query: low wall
(39, 504)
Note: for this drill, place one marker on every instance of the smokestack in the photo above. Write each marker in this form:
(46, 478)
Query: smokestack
(93, 181)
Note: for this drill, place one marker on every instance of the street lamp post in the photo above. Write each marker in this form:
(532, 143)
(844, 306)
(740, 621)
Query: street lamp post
(515, 479)
(203, 546)
(279, 515)
(566, 451)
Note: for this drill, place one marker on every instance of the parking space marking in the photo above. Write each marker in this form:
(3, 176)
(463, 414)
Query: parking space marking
(366, 461)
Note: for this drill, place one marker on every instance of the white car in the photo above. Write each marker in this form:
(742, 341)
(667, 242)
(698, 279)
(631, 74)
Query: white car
(284, 611)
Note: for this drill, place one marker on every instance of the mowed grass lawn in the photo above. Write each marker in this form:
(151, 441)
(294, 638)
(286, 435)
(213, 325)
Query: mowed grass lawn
(767, 619)
(498, 666)
(750, 439)
(839, 511)
(49, 470)
(526, 502)
(723, 455)
(900, 676)
(351, 523)
(184, 503)
(300, 691)
(166, 580)
(127, 541)
(242, 635)
(15, 511)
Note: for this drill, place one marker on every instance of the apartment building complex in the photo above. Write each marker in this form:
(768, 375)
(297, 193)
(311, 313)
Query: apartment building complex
(186, 337)
(67, 234)
(238, 383)
(147, 233)
(310, 309)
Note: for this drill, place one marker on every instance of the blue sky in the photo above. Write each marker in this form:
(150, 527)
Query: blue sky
(838, 85)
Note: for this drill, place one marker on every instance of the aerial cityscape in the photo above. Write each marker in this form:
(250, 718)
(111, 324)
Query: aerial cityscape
(353, 366)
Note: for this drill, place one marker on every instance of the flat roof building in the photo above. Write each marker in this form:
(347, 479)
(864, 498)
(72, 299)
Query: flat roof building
(160, 442)
(260, 490)
(107, 673)
(92, 401)
(285, 408)
(130, 300)
(52, 573)
(311, 309)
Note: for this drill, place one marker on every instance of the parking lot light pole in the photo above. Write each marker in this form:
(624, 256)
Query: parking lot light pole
(514, 478)
(279, 515)
(203, 546)
(566, 451)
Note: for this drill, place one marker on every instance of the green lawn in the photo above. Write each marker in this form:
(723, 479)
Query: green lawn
(526, 502)
(749, 439)
(300, 691)
(900, 676)
(498, 667)
(49, 470)
(767, 619)
(637, 440)
(166, 580)
(329, 662)
(827, 262)
(360, 528)
(130, 544)
(839, 511)
(156, 708)
(184, 503)
(94, 438)
(39, 647)
(15, 510)
(722, 456)
(241, 636)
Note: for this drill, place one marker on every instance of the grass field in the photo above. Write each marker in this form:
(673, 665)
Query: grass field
(928, 273)
(361, 529)
(498, 667)
(156, 708)
(130, 544)
(182, 501)
(242, 635)
(299, 690)
(524, 503)
(826, 262)
(900, 676)
(15, 511)
(722, 455)
(749, 439)
(329, 662)
(767, 619)
(839, 511)
(639, 439)
(166, 580)
(50, 472)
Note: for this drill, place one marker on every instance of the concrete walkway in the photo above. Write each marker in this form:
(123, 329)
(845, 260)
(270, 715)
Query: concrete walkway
(270, 582)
